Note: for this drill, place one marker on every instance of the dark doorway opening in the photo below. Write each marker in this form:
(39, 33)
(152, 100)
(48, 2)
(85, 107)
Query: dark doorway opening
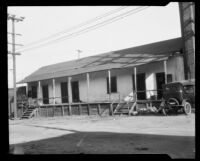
(45, 94)
(141, 86)
(160, 80)
(75, 91)
(64, 92)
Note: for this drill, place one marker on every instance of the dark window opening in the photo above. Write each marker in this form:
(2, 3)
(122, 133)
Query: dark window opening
(113, 83)
(169, 78)
(34, 91)
(75, 91)
(141, 85)
(45, 94)
(64, 92)
(160, 80)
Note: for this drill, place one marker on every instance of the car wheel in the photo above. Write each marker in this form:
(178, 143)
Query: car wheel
(187, 108)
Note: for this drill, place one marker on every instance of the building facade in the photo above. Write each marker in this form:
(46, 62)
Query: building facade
(110, 76)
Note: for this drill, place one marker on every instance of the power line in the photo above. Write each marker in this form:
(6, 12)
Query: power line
(77, 26)
(116, 18)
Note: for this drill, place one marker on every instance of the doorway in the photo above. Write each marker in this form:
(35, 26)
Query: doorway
(64, 92)
(45, 94)
(75, 91)
(141, 86)
(160, 80)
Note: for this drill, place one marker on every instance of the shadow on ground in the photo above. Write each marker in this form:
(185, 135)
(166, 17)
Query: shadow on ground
(79, 142)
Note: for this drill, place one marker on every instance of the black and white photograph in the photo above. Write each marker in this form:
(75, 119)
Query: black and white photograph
(102, 79)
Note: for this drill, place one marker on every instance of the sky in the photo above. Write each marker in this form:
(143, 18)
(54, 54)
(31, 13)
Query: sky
(155, 23)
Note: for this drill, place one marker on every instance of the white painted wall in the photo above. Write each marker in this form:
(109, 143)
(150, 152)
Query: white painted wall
(98, 84)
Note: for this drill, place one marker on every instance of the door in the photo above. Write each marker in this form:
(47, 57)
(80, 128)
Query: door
(45, 94)
(64, 92)
(75, 91)
(141, 86)
(160, 80)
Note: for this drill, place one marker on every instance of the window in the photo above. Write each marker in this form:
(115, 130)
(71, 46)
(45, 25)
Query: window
(34, 91)
(169, 78)
(113, 85)
(189, 88)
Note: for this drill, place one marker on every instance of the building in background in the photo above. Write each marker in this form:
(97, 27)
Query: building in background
(187, 17)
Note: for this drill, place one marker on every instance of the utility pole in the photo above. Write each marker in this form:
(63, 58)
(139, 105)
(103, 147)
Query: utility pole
(14, 19)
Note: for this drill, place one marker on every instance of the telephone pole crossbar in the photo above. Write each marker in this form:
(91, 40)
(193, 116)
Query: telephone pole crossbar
(14, 19)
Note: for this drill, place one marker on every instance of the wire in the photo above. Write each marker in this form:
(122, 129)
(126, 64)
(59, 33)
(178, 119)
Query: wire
(77, 26)
(116, 18)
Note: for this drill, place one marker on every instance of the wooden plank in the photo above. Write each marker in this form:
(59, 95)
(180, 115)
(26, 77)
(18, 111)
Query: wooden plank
(53, 111)
(135, 80)
(62, 108)
(69, 90)
(80, 109)
(88, 86)
(88, 107)
(46, 111)
(165, 70)
(99, 108)
(70, 110)
(54, 92)
(111, 109)
(109, 82)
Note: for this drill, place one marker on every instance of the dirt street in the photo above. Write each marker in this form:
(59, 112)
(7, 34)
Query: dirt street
(172, 135)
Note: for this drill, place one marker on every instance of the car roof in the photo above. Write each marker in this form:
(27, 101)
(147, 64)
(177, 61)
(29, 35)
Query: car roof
(184, 82)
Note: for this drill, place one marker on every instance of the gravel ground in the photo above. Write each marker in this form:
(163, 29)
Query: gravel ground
(172, 135)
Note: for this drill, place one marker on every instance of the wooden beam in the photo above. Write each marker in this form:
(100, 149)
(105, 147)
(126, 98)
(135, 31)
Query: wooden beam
(99, 109)
(135, 80)
(111, 109)
(70, 110)
(109, 84)
(27, 90)
(39, 90)
(46, 111)
(88, 86)
(54, 92)
(80, 110)
(62, 108)
(69, 94)
(69, 90)
(88, 107)
(165, 70)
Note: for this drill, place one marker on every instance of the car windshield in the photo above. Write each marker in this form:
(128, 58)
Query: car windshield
(189, 88)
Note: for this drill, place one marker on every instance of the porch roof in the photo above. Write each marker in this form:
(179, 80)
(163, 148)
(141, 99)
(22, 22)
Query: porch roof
(124, 58)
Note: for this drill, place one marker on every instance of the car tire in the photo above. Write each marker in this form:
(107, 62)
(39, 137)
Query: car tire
(187, 108)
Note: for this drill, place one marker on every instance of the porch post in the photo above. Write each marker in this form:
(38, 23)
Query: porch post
(88, 85)
(69, 93)
(54, 93)
(165, 70)
(39, 89)
(109, 84)
(135, 80)
(39, 96)
(27, 90)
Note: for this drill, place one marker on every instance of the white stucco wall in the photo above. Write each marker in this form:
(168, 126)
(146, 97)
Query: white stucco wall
(98, 84)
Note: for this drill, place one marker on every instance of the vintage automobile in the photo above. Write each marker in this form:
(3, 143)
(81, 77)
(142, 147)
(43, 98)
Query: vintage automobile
(178, 96)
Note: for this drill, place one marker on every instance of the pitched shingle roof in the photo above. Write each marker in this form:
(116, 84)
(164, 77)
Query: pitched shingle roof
(116, 59)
